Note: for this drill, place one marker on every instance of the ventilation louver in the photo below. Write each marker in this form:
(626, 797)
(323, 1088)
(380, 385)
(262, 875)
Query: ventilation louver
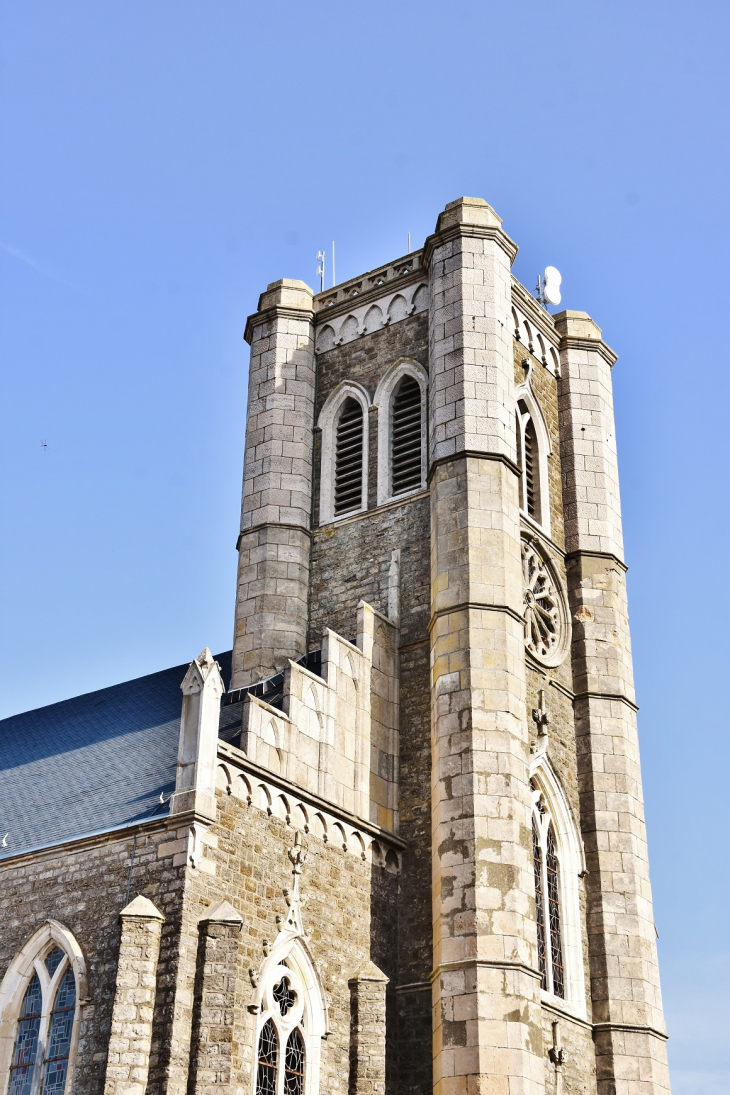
(348, 458)
(406, 436)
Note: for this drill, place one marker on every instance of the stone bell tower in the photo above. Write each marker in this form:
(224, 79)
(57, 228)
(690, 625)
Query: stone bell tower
(503, 751)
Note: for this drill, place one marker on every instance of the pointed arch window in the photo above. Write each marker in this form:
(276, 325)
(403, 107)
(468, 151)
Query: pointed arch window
(290, 1026)
(349, 458)
(406, 456)
(547, 898)
(528, 460)
(43, 1035)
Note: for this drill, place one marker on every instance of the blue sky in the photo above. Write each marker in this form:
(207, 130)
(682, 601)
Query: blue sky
(160, 163)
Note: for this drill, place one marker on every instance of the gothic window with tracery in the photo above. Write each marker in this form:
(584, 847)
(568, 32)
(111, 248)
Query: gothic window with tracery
(288, 1029)
(42, 1046)
(547, 897)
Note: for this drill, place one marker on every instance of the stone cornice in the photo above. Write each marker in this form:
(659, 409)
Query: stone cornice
(474, 606)
(484, 963)
(276, 312)
(592, 695)
(579, 553)
(473, 454)
(631, 1028)
(271, 524)
(594, 345)
(534, 311)
(238, 757)
(369, 287)
(92, 839)
(469, 231)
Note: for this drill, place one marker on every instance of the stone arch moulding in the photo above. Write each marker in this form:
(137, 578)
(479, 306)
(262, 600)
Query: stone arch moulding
(404, 366)
(338, 330)
(571, 856)
(17, 978)
(525, 394)
(327, 424)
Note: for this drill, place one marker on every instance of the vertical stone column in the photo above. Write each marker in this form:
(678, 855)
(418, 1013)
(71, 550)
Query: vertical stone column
(202, 688)
(273, 567)
(130, 1042)
(486, 988)
(367, 1031)
(212, 1062)
(627, 1008)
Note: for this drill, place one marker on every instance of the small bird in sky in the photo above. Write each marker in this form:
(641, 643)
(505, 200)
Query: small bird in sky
(44, 445)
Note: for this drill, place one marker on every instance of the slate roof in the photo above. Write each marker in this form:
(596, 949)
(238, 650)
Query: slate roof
(91, 763)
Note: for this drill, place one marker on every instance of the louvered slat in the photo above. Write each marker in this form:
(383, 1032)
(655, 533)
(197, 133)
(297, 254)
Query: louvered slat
(406, 436)
(348, 458)
(531, 468)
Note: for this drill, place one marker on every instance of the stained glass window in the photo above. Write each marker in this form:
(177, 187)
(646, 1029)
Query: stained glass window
(284, 996)
(556, 947)
(267, 1060)
(294, 1064)
(53, 960)
(539, 905)
(547, 899)
(26, 1040)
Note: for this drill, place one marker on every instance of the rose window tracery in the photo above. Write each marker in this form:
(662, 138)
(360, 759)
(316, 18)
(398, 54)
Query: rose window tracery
(545, 618)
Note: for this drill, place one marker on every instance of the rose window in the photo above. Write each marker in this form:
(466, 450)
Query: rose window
(545, 626)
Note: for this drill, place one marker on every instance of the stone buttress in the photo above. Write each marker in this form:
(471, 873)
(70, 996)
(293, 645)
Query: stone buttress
(486, 988)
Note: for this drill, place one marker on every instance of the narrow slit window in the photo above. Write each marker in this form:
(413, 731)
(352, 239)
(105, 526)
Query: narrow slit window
(528, 460)
(406, 455)
(348, 458)
(547, 898)
(539, 905)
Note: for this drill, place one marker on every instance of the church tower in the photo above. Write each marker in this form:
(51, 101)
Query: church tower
(429, 440)
(393, 842)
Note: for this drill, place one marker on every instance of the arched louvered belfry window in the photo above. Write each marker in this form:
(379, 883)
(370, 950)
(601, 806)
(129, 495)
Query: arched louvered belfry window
(547, 898)
(528, 459)
(43, 1037)
(349, 458)
(406, 450)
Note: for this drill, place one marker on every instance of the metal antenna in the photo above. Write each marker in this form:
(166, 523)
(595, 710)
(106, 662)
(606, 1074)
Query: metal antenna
(409, 243)
(320, 270)
(333, 263)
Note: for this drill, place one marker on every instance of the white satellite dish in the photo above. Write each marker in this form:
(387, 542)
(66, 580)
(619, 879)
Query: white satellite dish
(548, 286)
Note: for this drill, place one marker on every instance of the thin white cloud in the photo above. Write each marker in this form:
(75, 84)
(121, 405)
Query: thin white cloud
(16, 253)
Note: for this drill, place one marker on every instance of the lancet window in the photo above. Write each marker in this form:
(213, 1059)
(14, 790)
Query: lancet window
(406, 459)
(528, 460)
(44, 1027)
(348, 458)
(289, 1028)
(547, 898)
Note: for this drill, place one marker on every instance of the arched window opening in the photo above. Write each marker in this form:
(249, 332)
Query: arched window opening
(528, 460)
(294, 1064)
(406, 454)
(349, 458)
(267, 1060)
(292, 1020)
(547, 898)
(42, 1047)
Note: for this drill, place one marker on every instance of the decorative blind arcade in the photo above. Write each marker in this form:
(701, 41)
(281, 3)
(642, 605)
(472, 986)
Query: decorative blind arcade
(348, 458)
(406, 436)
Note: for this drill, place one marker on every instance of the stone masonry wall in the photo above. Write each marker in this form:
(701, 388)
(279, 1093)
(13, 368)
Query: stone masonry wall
(86, 889)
